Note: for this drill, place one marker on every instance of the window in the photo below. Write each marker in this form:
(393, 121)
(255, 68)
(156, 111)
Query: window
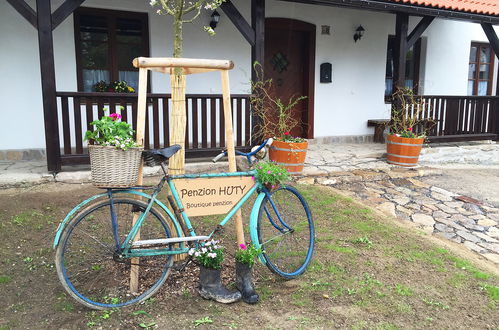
(481, 68)
(411, 66)
(106, 43)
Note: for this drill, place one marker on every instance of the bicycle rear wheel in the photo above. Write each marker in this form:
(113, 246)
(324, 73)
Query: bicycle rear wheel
(87, 262)
(286, 232)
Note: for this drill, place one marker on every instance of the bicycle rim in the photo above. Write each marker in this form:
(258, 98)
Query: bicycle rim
(88, 267)
(286, 232)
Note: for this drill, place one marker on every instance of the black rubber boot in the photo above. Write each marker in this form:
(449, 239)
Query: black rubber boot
(210, 287)
(244, 283)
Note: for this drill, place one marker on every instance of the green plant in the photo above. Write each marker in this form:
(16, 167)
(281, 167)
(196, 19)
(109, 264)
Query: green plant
(209, 254)
(204, 320)
(113, 87)
(275, 115)
(246, 254)
(271, 174)
(110, 131)
(407, 112)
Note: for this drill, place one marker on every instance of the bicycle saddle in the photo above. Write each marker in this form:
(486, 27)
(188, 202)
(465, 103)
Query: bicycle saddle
(157, 156)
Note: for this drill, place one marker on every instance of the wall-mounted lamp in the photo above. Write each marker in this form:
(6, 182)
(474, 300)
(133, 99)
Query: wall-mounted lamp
(359, 32)
(215, 18)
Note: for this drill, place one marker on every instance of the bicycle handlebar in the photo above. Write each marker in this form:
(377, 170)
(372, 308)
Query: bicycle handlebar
(248, 155)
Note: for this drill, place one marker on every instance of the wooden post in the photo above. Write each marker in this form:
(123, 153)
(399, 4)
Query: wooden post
(231, 154)
(257, 51)
(47, 70)
(141, 123)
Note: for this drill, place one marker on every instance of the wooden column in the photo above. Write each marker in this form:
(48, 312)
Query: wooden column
(258, 49)
(47, 69)
(400, 51)
(494, 43)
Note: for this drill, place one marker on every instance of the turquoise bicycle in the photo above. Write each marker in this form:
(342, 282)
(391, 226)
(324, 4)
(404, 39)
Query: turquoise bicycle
(103, 238)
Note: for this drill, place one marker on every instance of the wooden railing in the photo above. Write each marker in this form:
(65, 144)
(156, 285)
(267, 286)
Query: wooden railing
(461, 118)
(205, 134)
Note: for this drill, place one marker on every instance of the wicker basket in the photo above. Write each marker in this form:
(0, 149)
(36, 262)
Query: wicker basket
(114, 168)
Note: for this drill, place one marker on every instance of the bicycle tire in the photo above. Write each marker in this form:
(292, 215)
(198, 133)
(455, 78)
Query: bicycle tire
(287, 244)
(84, 256)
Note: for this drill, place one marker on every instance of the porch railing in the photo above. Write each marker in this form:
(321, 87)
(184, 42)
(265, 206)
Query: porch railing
(205, 134)
(461, 118)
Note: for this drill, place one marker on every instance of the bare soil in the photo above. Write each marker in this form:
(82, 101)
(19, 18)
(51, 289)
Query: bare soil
(366, 273)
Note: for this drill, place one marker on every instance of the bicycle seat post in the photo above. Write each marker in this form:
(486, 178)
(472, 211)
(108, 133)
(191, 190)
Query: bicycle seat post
(164, 168)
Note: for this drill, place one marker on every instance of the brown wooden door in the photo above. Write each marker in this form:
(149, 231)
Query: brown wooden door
(289, 54)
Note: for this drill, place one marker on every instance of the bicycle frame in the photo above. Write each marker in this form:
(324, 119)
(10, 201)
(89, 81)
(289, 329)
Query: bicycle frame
(129, 251)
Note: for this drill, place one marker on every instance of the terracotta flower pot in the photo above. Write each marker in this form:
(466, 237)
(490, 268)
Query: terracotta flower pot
(403, 151)
(290, 155)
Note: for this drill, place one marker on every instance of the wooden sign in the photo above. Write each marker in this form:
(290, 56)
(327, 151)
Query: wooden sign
(208, 196)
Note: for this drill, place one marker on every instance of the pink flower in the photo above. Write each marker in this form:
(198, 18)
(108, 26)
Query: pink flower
(286, 133)
(115, 116)
(268, 172)
(410, 129)
(243, 246)
(253, 178)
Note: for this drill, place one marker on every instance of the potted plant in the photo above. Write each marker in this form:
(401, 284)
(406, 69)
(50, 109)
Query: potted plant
(114, 154)
(276, 121)
(245, 259)
(210, 256)
(270, 174)
(408, 129)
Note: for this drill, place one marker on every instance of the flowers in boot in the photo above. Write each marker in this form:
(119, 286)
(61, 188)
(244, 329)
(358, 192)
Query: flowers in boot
(208, 254)
(246, 254)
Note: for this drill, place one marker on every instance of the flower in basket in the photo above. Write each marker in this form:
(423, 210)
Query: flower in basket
(113, 87)
(276, 119)
(111, 131)
(209, 255)
(246, 254)
(270, 174)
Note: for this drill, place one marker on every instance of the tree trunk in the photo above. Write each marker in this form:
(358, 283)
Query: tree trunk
(178, 116)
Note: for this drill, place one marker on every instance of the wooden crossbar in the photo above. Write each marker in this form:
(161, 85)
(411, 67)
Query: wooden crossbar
(191, 63)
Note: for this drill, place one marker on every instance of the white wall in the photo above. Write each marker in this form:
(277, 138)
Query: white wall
(341, 107)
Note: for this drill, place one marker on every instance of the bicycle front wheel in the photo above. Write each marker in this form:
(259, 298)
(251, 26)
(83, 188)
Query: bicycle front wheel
(88, 262)
(286, 232)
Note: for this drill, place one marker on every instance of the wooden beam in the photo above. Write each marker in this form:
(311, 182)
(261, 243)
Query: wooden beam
(64, 10)
(257, 50)
(400, 50)
(47, 70)
(239, 22)
(492, 36)
(25, 10)
(418, 30)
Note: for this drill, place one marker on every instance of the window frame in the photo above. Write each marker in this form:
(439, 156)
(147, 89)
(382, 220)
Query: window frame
(417, 66)
(111, 16)
(476, 79)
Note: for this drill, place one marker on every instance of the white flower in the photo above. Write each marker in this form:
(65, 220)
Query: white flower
(196, 254)
(191, 252)
(212, 255)
(208, 244)
(158, 11)
(153, 3)
(204, 250)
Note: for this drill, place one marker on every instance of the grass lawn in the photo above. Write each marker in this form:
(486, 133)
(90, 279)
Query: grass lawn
(367, 273)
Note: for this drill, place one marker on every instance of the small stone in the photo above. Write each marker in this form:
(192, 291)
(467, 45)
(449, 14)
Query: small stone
(431, 207)
(413, 206)
(493, 232)
(456, 239)
(457, 226)
(441, 197)
(388, 208)
(401, 200)
(444, 228)
(329, 182)
(403, 209)
(492, 257)
(487, 222)
(447, 235)
(423, 219)
(467, 236)
(486, 238)
(473, 247)
(493, 216)
(473, 227)
(472, 208)
(477, 216)
(494, 247)
(454, 204)
(461, 218)
(446, 208)
(440, 214)
(442, 191)
(307, 181)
